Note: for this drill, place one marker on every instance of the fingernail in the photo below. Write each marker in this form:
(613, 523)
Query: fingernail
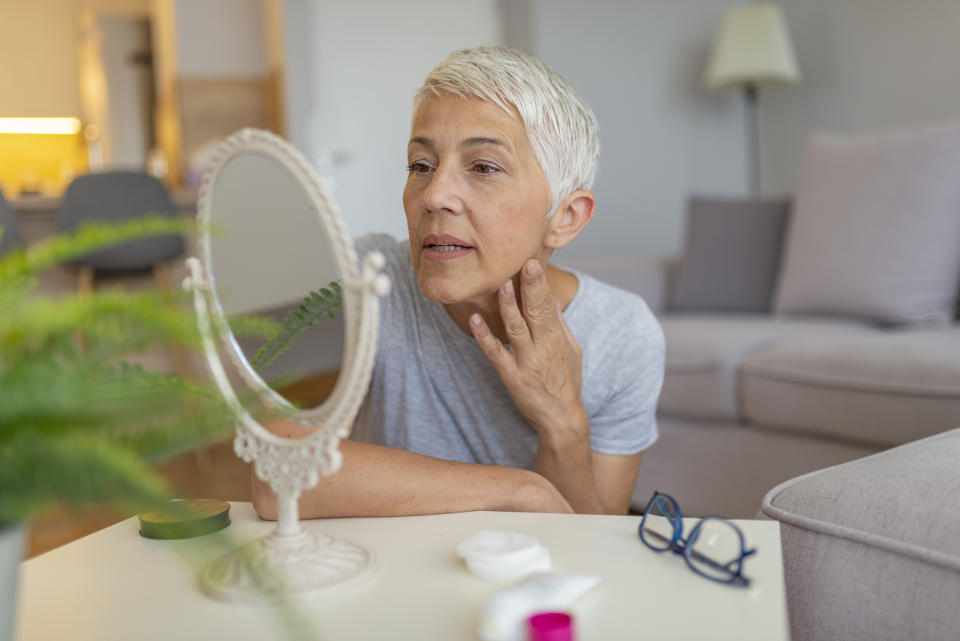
(508, 288)
(533, 268)
(475, 320)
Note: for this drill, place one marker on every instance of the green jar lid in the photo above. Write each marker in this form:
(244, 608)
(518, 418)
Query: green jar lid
(186, 518)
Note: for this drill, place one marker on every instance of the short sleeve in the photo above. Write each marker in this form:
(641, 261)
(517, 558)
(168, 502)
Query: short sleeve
(627, 422)
(383, 243)
(624, 350)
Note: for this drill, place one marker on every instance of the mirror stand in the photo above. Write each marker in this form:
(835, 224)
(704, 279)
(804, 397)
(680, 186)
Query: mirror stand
(290, 560)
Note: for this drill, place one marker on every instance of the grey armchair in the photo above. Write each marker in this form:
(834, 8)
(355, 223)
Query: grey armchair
(11, 232)
(113, 197)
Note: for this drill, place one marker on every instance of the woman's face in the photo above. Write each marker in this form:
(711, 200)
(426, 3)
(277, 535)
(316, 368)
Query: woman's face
(476, 199)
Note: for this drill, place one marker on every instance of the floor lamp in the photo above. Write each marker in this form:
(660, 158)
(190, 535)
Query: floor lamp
(752, 48)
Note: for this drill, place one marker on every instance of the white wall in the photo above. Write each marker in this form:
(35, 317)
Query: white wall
(127, 126)
(866, 65)
(38, 60)
(352, 69)
(221, 38)
(38, 53)
(662, 136)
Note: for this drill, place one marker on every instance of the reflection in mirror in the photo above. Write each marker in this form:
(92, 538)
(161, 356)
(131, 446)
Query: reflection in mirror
(270, 257)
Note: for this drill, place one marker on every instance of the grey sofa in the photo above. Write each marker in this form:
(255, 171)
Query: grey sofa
(806, 332)
(834, 379)
(750, 401)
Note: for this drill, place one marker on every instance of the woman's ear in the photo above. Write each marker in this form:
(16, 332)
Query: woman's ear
(573, 214)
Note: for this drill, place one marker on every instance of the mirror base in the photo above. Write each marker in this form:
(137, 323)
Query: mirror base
(278, 565)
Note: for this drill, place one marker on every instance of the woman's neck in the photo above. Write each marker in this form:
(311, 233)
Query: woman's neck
(563, 285)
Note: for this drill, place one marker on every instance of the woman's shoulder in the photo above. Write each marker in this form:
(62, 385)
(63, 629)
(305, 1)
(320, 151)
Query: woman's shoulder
(396, 252)
(383, 243)
(608, 311)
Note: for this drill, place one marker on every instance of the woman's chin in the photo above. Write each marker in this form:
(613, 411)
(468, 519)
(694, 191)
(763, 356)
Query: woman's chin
(442, 290)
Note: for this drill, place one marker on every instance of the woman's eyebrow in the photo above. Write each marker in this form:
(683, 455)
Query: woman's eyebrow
(475, 141)
(485, 140)
(421, 140)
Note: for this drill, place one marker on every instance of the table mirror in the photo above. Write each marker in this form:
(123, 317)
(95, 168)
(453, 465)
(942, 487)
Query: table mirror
(273, 246)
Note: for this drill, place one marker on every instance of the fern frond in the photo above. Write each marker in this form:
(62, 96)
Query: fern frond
(160, 416)
(87, 238)
(114, 323)
(319, 304)
(34, 472)
(249, 325)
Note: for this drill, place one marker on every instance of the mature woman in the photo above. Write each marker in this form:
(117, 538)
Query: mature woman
(501, 381)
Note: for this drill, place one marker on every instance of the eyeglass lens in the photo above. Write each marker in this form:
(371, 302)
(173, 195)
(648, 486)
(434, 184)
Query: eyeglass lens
(657, 531)
(715, 549)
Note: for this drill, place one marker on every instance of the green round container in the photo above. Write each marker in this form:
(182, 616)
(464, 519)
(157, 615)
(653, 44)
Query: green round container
(185, 518)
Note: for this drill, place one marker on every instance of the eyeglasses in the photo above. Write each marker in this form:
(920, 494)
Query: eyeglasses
(715, 548)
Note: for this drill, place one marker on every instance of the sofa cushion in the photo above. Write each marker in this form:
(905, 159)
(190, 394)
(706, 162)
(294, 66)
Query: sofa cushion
(870, 547)
(705, 351)
(875, 226)
(885, 388)
(731, 255)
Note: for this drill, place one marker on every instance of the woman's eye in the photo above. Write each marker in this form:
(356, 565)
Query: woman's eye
(418, 167)
(485, 168)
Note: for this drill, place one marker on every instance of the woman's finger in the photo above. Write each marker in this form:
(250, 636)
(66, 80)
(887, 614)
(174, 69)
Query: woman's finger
(504, 362)
(513, 321)
(539, 308)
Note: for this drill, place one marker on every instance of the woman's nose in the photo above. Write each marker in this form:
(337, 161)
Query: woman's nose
(442, 194)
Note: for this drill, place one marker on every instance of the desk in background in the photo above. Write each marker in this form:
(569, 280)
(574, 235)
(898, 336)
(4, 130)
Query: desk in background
(37, 215)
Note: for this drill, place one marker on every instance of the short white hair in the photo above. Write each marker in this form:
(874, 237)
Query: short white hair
(560, 126)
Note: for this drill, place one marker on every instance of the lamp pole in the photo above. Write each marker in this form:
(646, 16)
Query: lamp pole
(752, 47)
(750, 93)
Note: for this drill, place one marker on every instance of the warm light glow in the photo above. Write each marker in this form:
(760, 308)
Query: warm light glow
(39, 126)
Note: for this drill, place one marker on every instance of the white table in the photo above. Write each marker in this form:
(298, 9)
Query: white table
(115, 584)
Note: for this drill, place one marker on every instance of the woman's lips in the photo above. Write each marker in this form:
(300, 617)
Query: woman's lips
(444, 247)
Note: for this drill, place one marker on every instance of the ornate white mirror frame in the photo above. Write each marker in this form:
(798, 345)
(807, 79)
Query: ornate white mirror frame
(289, 560)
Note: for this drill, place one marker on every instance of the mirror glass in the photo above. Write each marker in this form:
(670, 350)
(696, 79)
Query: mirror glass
(271, 258)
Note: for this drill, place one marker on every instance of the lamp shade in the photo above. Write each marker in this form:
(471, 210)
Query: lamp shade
(752, 47)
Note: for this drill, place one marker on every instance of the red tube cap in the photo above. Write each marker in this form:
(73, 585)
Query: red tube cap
(551, 626)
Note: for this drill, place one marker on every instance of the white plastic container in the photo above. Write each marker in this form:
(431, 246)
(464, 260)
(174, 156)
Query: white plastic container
(503, 556)
(505, 614)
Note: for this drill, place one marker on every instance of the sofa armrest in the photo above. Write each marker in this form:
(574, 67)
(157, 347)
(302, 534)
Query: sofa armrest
(649, 276)
(654, 280)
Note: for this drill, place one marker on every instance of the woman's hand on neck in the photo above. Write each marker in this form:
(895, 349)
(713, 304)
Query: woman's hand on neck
(563, 285)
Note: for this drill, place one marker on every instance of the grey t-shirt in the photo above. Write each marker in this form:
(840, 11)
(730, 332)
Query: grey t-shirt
(434, 391)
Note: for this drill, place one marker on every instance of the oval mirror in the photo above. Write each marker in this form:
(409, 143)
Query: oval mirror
(270, 258)
(278, 284)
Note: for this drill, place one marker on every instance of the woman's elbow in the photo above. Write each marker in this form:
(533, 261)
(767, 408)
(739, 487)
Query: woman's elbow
(264, 500)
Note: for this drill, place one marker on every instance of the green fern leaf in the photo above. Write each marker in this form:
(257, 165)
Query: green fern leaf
(87, 238)
(86, 469)
(315, 306)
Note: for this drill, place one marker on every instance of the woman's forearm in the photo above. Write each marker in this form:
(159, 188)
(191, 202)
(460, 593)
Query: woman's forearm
(568, 464)
(382, 481)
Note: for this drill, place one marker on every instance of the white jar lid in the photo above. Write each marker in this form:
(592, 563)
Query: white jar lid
(501, 556)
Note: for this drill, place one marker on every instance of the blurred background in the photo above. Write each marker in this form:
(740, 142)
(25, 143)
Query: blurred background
(153, 84)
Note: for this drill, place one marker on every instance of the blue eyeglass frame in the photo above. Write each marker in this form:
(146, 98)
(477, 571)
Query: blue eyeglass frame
(684, 547)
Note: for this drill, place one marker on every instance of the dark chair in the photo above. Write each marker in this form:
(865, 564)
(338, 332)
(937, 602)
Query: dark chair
(117, 196)
(11, 231)
(114, 197)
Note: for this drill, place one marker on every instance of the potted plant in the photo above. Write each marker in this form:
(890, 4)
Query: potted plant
(78, 424)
